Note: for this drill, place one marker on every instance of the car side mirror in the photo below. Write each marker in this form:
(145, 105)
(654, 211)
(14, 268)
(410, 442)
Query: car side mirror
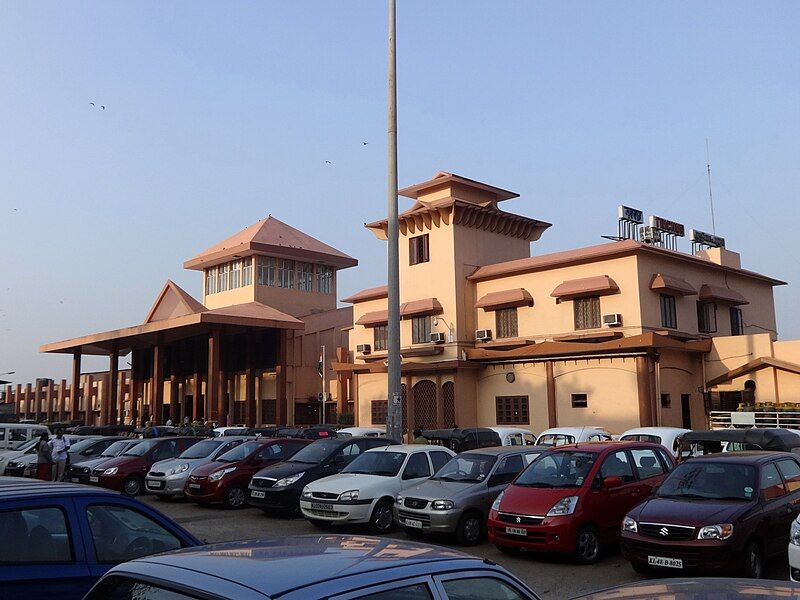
(612, 482)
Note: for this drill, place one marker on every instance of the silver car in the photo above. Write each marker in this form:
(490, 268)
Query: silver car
(167, 478)
(458, 497)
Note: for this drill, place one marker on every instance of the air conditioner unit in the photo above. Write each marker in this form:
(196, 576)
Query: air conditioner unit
(437, 338)
(614, 320)
(483, 335)
(363, 348)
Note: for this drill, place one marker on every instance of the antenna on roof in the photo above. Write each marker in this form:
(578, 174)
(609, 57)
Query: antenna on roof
(710, 196)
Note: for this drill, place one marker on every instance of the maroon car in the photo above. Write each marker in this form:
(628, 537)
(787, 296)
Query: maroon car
(226, 478)
(716, 514)
(126, 472)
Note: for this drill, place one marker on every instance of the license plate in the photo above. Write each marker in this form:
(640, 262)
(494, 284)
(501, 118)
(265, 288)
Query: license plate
(74, 480)
(321, 506)
(94, 479)
(155, 485)
(194, 486)
(255, 494)
(661, 561)
(413, 523)
(516, 531)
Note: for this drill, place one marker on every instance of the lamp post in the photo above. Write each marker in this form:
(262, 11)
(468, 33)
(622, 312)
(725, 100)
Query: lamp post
(394, 415)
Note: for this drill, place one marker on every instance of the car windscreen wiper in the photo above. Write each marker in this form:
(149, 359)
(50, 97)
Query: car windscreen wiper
(538, 484)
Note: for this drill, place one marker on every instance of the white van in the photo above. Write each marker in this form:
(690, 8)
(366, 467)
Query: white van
(13, 435)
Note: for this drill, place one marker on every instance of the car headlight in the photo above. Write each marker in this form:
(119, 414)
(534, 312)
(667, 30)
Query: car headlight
(220, 474)
(111, 471)
(400, 499)
(629, 524)
(565, 506)
(348, 496)
(289, 480)
(496, 503)
(715, 532)
(307, 493)
(442, 504)
(180, 469)
(794, 533)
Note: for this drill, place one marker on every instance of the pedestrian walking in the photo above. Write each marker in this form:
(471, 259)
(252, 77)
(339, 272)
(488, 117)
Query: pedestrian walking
(44, 459)
(58, 448)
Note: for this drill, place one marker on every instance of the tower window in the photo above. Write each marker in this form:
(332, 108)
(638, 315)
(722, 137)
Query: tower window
(418, 249)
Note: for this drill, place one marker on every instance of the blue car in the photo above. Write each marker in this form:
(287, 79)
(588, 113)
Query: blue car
(309, 568)
(58, 539)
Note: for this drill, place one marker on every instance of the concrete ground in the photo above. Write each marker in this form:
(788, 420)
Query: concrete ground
(550, 576)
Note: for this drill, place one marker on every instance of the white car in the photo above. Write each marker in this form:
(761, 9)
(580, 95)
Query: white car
(365, 490)
(361, 431)
(515, 436)
(669, 437)
(794, 551)
(6, 456)
(558, 436)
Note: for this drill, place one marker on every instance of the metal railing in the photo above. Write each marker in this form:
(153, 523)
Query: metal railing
(767, 419)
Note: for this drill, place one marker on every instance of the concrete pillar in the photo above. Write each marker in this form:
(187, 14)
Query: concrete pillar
(174, 401)
(113, 388)
(409, 408)
(51, 399)
(644, 391)
(197, 384)
(552, 414)
(354, 396)
(105, 400)
(250, 384)
(30, 406)
(212, 379)
(18, 399)
(88, 401)
(119, 398)
(280, 383)
(133, 388)
(37, 401)
(76, 385)
(156, 406)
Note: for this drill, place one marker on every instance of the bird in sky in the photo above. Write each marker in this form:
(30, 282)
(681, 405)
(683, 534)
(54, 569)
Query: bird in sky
(364, 143)
(92, 103)
(103, 107)
(327, 162)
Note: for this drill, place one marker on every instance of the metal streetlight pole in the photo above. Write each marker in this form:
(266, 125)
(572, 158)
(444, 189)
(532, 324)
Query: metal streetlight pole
(394, 416)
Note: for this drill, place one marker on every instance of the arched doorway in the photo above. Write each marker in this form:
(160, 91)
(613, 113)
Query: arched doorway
(425, 404)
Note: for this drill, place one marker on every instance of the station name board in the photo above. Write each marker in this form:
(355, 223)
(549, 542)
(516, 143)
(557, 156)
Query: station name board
(626, 213)
(707, 239)
(667, 226)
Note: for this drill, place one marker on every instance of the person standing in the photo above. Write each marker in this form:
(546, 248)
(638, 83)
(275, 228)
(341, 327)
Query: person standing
(58, 448)
(418, 439)
(44, 459)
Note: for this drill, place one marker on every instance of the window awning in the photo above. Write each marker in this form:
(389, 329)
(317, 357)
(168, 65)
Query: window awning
(505, 299)
(721, 294)
(601, 285)
(418, 308)
(373, 319)
(675, 285)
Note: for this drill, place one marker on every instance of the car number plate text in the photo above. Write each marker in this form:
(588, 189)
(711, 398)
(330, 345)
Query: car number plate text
(321, 506)
(661, 561)
(94, 479)
(413, 523)
(255, 494)
(194, 486)
(516, 531)
(155, 485)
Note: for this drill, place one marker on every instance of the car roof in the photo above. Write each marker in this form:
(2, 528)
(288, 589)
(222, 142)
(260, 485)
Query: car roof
(573, 430)
(407, 448)
(495, 450)
(13, 488)
(747, 456)
(654, 430)
(605, 445)
(765, 438)
(277, 566)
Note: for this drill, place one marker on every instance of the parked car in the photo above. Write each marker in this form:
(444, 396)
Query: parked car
(277, 489)
(167, 478)
(26, 465)
(13, 435)
(361, 431)
(126, 472)
(458, 496)
(794, 551)
(705, 588)
(461, 440)
(59, 538)
(669, 437)
(110, 430)
(716, 514)
(82, 472)
(89, 448)
(365, 490)
(703, 443)
(573, 498)
(226, 478)
(303, 567)
(7, 456)
(515, 436)
(559, 436)
(308, 433)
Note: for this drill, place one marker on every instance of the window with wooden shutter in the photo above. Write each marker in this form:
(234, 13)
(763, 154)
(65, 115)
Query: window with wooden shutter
(669, 315)
(506, 323)
(418, 249)
(512, 410)
(587, 312)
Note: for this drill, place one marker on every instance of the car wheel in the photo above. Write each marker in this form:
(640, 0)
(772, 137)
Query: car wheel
(235, 498)
(469, 530)
(587, 545)
(132, 486)
(753, 562)
(319, 524)
(507, 549)
(381, 520)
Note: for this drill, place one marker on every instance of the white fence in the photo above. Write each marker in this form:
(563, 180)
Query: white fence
(768, 419)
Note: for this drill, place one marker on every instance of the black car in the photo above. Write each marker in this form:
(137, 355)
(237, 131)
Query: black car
(277, 488)
(307, 433)
(461, 440)
(80, 473)
(90, 448)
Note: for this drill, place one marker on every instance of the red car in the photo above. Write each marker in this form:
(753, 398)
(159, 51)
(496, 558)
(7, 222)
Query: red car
(573, 499)
(226, 478)
(126, 472)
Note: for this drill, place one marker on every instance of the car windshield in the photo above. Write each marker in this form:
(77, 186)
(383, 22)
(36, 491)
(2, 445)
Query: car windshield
(29, 444)
(385, 464)
(116, 448)
(641, 437)
(558, 470)
(317, 452)
(202, 449)
(710, 481)
(82, 445)
(467, 468)
(241, 452)
(555, 439)
(141, 448)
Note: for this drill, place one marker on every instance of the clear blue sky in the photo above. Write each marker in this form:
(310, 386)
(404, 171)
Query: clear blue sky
(218, 114)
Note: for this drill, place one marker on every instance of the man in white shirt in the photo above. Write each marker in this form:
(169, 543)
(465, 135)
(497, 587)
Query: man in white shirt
(58, 447)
